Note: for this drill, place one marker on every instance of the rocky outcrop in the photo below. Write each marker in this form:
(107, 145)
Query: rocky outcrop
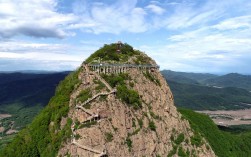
(104, 125)
(124, 131)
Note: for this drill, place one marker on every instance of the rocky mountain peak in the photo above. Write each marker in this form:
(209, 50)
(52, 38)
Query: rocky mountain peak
(124, 107)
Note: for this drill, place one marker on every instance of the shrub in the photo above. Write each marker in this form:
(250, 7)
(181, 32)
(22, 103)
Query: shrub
(179, 139)
(140, 121)
(109, 53)
(130, 97)
(142, 59)
(135, 132)
(84, 95)
(152, 126)
(173, 151)
(196, 140)
(77, 136)
(182, 153)
(133, 123)
(154, 115)
(102, 97)
(100, 85)
(108, 136)
(129, 143)
(87, 106)
(172, 138)
(77, 123)
(116, 79)
(151, 78)
(131, 84)
(87, 124)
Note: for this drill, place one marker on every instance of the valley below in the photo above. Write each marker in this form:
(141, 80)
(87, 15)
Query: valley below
(229, 117)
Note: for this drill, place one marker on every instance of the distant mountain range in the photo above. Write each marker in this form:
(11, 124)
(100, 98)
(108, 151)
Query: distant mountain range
(199, 91)
(228, 80)
(28, 88)
(184, 77)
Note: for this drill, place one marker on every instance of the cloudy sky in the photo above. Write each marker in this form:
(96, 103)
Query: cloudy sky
(184, 35)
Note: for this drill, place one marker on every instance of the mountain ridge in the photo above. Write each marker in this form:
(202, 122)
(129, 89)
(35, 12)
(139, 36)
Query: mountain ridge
(226, 80)
(231, 80)
(191, 76)
(204, 96)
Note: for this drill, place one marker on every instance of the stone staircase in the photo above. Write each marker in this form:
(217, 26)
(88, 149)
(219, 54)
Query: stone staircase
(99, 153)
(97, 95)
(93, 115)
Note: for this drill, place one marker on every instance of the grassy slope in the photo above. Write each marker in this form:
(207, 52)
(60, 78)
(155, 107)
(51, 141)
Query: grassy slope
(223, 143)
(41, 138)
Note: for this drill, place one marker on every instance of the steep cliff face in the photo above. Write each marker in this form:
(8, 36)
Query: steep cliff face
(122, 110)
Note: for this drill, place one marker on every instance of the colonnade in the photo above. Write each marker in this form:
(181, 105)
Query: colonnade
(120, 68)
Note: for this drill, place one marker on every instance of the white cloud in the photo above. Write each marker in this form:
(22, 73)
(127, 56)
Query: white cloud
(121, 16)
(37, 51)
(241, 22)
(205, 50)
(155, 9)
(31, 55)
(27, 64)
(33, 18)
(38, 56)
(187, 15)
(23, 55)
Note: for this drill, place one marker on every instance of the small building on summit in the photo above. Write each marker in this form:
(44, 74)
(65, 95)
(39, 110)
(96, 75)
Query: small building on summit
(119, 46)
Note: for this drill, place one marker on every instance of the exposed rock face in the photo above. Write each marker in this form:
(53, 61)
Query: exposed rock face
(120, 130)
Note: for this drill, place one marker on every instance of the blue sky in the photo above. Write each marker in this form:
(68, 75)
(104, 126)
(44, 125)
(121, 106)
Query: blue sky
(183, 35)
